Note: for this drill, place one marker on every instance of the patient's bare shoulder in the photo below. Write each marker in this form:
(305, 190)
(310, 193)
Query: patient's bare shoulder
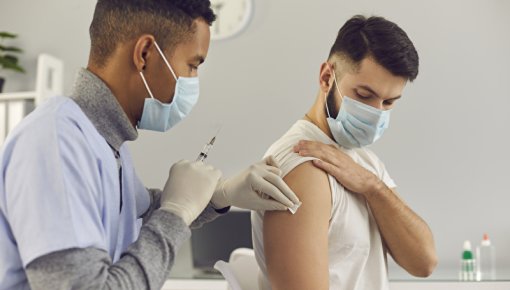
(296, 246)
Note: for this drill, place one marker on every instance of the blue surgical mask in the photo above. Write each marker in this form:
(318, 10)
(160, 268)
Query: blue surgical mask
(357, 124)
(158, 116)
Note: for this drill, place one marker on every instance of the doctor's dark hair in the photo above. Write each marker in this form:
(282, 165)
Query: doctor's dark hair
(118, 21)
(381, 39)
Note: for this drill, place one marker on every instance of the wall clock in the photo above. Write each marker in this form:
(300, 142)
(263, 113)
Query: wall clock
(232, 17)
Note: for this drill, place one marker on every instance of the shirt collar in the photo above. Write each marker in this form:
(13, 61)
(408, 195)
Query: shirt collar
(102, 108)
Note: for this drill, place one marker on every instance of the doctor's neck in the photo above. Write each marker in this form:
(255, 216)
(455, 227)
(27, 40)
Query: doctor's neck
(115, 73)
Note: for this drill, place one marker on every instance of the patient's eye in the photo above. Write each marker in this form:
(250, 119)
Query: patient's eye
(363, 95)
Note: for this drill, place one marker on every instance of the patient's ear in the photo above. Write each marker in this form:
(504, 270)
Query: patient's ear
(325, 77)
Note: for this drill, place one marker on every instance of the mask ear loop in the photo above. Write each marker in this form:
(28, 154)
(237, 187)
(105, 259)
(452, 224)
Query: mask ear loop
(167, 64)
(336, 85)
(337, 89)
(165, 60)
(146, 85)
(326, 102)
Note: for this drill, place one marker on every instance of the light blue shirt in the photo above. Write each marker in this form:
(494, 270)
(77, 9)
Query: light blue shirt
(60, 189)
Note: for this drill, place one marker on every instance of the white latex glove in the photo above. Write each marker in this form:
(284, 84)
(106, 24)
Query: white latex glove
(259, 187)
(189, 189)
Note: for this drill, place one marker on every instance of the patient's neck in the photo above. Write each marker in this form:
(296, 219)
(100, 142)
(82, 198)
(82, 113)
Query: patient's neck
(317, 116)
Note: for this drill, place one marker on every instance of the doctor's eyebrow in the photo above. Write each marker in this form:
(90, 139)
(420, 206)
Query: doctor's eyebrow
(368, 88)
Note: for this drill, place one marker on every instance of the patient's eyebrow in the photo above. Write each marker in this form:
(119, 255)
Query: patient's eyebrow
(368, 88)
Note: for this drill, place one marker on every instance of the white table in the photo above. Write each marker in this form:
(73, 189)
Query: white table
(216, 284)
(195, 284)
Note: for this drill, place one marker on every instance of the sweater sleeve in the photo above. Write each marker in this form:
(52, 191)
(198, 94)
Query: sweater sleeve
(208, 214)
(144, 265)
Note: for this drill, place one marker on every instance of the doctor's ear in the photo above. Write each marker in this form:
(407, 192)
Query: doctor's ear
(144, 57)
(144, 47)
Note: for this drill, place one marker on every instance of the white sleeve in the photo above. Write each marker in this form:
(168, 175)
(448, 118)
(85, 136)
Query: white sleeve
(382, 173)
(385, 176)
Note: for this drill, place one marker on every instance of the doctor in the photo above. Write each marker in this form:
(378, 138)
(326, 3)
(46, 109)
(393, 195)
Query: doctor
(73, 213)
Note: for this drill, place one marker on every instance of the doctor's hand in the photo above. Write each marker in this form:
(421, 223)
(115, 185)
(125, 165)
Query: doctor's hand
(189, 189)
(259, 187)
(351, 175)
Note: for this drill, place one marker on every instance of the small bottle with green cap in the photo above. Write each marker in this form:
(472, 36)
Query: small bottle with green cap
(467, 264)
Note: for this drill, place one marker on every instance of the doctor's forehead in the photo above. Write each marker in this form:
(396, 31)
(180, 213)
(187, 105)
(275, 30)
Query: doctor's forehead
(196, 46)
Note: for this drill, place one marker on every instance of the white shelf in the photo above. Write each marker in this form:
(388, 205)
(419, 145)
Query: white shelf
(18, 96)
(15, 106)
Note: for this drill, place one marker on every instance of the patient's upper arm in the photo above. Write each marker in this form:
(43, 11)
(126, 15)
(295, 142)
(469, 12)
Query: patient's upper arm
(296, 246)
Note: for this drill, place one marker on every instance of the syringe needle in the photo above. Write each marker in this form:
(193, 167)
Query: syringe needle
(203, 154)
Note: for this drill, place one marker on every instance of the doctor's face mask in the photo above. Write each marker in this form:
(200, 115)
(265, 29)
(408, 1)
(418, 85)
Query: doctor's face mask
(357, 124)
(158, 116)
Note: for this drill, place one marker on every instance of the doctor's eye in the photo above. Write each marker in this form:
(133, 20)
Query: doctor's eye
(193, 67)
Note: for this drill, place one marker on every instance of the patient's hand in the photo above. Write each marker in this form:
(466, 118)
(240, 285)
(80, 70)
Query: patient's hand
(338, 164)
(408, 237)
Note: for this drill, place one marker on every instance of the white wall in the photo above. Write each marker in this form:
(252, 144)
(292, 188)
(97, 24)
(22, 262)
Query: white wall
(447, 146)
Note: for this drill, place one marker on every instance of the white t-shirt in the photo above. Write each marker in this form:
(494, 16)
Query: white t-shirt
(357, 257)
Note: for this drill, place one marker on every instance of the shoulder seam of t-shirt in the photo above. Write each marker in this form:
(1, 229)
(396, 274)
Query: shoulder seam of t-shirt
(302, 129)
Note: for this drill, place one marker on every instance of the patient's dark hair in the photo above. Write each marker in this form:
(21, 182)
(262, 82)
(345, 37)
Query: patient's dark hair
(381, 39)
(118, 21)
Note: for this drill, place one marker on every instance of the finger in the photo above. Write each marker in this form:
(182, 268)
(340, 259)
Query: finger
(327, 153)
(328, 167)
(283, 189)
(269, 160)
(301, 145)
(311, 152)
(270, 204)
(307, 143)
(267, 187)
(178, 164)
(274, 170)
(310, 146)
(218, 174)
(272, 165)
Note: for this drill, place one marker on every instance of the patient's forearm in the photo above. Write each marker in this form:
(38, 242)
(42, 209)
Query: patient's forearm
(407, 236)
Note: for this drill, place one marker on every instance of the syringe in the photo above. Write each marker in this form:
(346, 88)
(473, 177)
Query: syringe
(203, 154)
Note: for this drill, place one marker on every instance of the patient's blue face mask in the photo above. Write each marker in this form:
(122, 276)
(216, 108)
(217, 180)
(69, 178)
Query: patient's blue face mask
(158, 116)
(357, 124)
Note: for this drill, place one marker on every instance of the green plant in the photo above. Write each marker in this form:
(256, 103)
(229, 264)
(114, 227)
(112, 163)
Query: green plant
(8, 58)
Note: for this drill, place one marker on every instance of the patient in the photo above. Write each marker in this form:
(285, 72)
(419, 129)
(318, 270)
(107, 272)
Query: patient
(352, 217)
